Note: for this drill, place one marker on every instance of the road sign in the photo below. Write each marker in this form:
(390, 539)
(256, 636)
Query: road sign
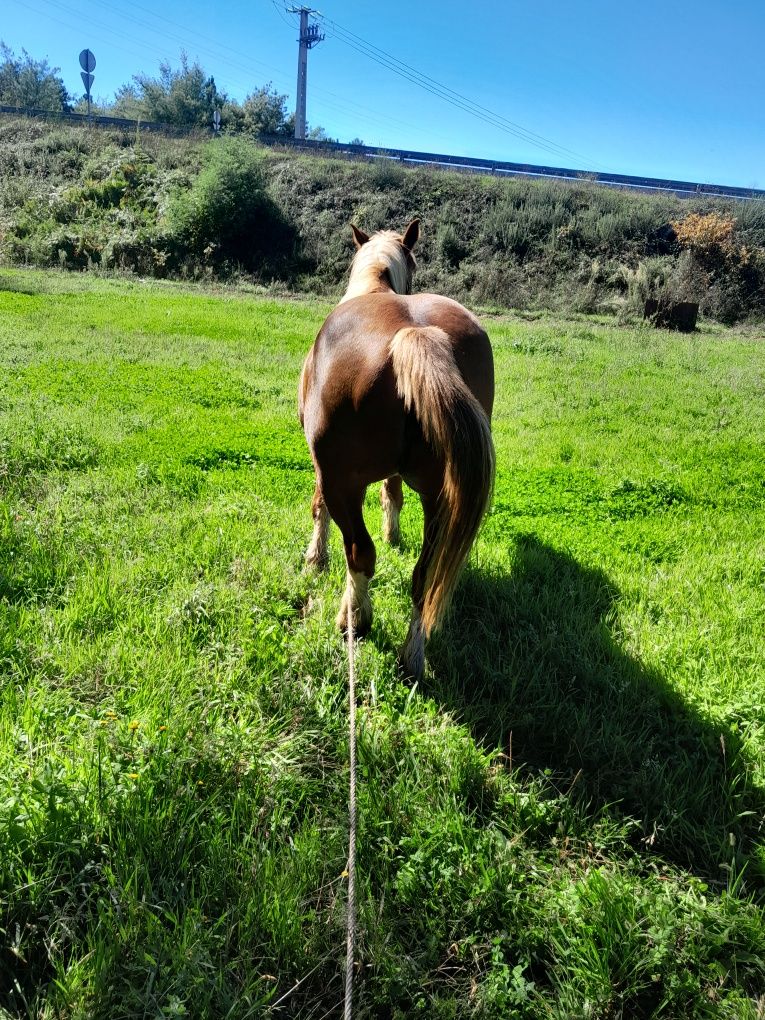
(87, 61)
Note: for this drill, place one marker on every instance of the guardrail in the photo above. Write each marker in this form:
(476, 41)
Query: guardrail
(469, 164)
(684, 189)
(98, 119)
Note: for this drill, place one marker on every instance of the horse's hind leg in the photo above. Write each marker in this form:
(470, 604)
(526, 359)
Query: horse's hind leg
(392, 499)
(412, 654)
(346, 511)
(317, 554)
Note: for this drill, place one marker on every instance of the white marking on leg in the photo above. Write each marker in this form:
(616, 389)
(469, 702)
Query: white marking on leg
(316, 553)
(391, 514)
(412, 655)
(357, 594)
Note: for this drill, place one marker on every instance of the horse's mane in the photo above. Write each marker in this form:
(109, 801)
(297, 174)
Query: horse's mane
(383, 252)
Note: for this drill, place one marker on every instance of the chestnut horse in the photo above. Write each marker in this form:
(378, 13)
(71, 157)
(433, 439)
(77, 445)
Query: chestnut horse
(398, 386)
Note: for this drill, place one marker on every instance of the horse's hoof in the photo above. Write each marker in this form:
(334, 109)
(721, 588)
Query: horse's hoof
(316, 563)
(411, 663)
(362, 622)
(410, 670)
(392, 533)
(411, 656)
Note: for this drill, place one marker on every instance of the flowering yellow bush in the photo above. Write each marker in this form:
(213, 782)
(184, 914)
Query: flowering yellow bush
(706, 233)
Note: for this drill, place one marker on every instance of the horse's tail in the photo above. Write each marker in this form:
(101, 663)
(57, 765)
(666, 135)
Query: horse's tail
(457, 428)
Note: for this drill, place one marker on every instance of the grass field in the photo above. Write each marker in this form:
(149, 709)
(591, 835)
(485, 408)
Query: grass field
(564, 820)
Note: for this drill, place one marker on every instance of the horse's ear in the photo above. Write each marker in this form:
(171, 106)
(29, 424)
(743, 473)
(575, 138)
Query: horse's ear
(411, 235)
(359, 237)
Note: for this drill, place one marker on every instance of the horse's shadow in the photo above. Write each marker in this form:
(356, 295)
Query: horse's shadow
(531, 661)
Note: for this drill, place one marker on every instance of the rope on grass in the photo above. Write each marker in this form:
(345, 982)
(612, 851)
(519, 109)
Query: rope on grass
(351, 903)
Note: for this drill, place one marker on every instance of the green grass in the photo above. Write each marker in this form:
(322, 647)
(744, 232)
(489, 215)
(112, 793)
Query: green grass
(564, 820)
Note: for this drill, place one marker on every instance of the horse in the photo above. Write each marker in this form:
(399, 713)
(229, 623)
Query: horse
(398, 387)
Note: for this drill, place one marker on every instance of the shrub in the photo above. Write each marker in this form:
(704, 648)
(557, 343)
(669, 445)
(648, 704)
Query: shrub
(451, 245)
(505, 230)
(735, 271)
(689, 281)
(227, 215)
(647, 280)
(739, 291)
(750, 223)
(708, 234)
(78, 198)
(386, 174)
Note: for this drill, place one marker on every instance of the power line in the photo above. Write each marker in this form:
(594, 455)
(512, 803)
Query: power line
(437, 88)
(111, 31)
(443, 92)
(448, 95)
(281, 11)
(190, 31)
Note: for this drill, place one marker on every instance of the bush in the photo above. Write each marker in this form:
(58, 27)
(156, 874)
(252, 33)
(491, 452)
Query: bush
(647, 280)
(735, 271)
(227, 216)
(709, 234)
(451, 245)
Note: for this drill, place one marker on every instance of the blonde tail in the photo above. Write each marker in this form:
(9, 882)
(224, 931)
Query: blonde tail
(457, 428)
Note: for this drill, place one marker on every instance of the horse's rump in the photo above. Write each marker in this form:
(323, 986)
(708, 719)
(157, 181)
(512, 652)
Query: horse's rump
(353, 347)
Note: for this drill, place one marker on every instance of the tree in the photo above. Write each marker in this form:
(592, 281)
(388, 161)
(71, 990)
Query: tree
(264, 112)
(30, 84)
(318, 134)
(186, 97)
(99, 105)
(128, 104)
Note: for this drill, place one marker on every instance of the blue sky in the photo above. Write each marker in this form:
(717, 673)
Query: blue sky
(674, 89)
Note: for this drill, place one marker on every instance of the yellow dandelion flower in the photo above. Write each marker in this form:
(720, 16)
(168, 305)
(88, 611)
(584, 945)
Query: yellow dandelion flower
(162, 729)
(132, 775)
(133, 726)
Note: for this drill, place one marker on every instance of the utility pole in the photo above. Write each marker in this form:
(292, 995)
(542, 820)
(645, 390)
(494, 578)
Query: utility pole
(309, 37)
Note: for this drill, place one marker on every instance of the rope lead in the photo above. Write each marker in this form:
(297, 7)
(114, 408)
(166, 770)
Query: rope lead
(351, 904)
